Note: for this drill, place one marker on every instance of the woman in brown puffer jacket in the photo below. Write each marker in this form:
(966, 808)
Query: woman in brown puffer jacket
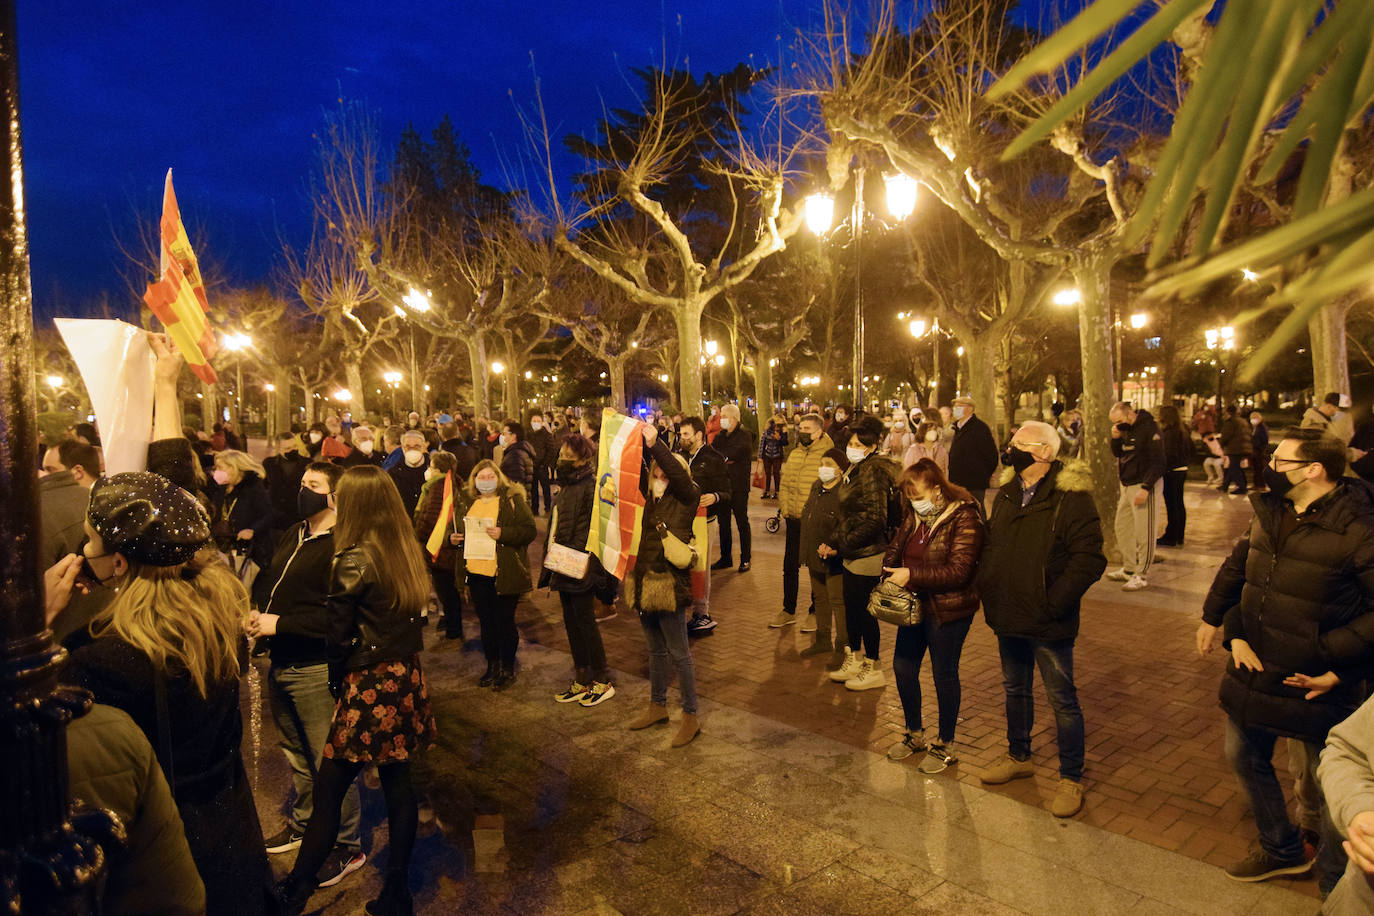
(934, 555)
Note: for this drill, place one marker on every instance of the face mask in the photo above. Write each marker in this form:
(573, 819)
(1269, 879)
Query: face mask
(855, 455)
(315, 438)
(840, 418)
(535, 424)
(1123, 427)
(309, 503)
(88, 572)
(566, 466)
(1254, 421)
(221, 476)
(485, 485)
(658, 487)
(414, 457)
(726, 424)
(365, 446)
(960, 412)
(505, 440)
(430, 474)
(924, 507)
(1277, 482)
(827, 474)
(1017, 460)
(804, 439)
(931, 435)
(1073, 427)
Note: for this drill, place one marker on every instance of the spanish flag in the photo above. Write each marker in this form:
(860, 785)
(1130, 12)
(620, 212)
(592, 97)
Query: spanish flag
(178, 299)
(439, 535)
(618, 508)
(700, 573)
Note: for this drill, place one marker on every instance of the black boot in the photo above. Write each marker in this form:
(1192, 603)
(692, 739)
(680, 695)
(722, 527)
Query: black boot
(493, 671)
(505, 678)
(293, 894)
(394, 899)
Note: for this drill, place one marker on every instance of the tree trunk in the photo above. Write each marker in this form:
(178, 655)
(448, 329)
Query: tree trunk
(687, 317)
(763, 383)
(981, 350)
(353, 372)
(1330, 356)
(208, 414)
(281, 401)
(615, 369)
(477, 362)
(1095, 342)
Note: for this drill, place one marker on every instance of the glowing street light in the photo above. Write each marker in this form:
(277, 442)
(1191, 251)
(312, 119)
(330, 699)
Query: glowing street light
(417, 301)
(392, 378)
(901, 194)
(1248, 275)
(1139, 320)
(269, 388)
(528, 375)
(56, 381)
(343, 395)
(720, 359)
(663, 377)
(711, 347)
(498, 367)
(820, 213)
(236, 342)
(1068, 297)
(917, 327)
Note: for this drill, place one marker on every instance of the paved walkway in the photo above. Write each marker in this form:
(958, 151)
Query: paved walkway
(786, 804)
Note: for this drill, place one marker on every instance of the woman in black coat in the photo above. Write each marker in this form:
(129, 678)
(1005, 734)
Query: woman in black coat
(569, 525)
(246, 514)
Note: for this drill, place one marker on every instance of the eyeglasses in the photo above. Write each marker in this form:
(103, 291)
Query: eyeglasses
(1295, 462)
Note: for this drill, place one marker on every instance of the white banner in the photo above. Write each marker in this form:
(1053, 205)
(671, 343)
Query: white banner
(116, 364)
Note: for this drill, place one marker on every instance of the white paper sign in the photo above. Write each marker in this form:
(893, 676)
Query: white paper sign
(116, 364)
(477, 544)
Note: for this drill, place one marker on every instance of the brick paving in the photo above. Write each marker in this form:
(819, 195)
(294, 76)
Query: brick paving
(1155, 767)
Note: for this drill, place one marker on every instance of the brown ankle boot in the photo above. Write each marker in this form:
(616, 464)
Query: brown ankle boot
(687, 730)
(651, 716)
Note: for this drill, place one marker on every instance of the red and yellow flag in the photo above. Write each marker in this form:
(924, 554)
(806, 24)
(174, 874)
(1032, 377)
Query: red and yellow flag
(439, 535)
(178, 299)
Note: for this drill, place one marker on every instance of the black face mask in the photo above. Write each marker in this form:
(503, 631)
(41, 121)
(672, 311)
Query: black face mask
(1124, 427)
(1017, 460)
(88, 573)
(308, 502)
(1277, 482)
(804, 438)
(566, 467)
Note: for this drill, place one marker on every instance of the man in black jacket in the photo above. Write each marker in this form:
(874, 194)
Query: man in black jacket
(540, 441)
(972, 454)
(1139, 452)
(292, 596)
(517, 457)
(736, 445)
(708, 471)
(1295, 602)
(1043, 551)
(284, 470)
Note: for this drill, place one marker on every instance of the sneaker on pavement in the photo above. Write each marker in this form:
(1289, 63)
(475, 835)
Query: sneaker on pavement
(284, 840)
(700, 625)
(1068, 800)
(1261, 866)
(1007, 769)
(1119, 575)
(573, 694)
(937, 760)
(723, 563)
(869, 677)
(848, 668)
(604, 612)
(600, 693)
(782, 619)
(342, 862)
(744, 566)
(809, 624)
(911, 743)
(1135, 584)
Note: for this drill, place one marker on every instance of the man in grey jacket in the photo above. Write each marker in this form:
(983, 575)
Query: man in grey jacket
(1347, 778)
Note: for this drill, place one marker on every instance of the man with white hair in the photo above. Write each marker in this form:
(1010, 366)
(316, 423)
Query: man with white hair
(1043, 551)
(736, 446)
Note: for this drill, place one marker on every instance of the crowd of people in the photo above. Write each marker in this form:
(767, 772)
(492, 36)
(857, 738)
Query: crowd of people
(327, 557)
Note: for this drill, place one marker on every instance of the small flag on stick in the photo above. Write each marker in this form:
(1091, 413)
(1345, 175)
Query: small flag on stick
(178, 299)
(442, 526)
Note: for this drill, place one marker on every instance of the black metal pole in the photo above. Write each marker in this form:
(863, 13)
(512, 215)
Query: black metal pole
(46, 866)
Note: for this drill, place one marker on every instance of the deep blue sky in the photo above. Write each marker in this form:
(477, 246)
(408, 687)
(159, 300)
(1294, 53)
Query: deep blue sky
(228, 95)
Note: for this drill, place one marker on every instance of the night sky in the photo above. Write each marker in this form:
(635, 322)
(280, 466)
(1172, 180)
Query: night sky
(228, 96)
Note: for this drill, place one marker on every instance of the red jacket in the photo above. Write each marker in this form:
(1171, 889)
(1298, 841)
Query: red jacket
(944, 579)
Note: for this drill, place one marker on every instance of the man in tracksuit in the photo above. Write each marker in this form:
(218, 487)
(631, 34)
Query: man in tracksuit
(291, 597)
(708, 470)
(1139, 452)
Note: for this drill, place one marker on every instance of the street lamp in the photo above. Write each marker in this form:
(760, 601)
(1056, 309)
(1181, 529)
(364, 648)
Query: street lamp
(1068, 297)
(56, 381)
(237, 343)
(393, 381)
(1139, 320)
(901, 195)
(1219, 341)
(820, 213)
(343, 395)
(498, 367)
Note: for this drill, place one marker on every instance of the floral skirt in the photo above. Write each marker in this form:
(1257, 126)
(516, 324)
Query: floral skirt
(383, 714)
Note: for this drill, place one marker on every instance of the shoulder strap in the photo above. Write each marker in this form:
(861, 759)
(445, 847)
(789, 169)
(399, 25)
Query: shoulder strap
(164, 729)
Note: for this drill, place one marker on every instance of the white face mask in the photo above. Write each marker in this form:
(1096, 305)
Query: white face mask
(414, 457)
(931, 435)
(960, 412)
(365, 446)
(505, 440)
(855, 455)
(924, 507)
(486, 485)
(431, 474)
(827, 474)
(726, 423)
(315, 438)
(535, 424)
(658, 487)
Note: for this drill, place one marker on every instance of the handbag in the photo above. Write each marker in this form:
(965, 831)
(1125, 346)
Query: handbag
(657, 592)
(891, 603)
(676, 551)
(563, 559)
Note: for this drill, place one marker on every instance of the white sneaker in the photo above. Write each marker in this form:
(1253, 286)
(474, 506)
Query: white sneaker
(852, 660)
(809, 624)
(1119, 575)
(1134, 584)
(870, 676)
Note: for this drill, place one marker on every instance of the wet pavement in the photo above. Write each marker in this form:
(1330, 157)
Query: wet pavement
(785, 803)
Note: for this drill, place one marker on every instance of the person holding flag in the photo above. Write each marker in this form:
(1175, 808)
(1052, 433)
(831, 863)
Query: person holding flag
(178, 299)
(437, 529)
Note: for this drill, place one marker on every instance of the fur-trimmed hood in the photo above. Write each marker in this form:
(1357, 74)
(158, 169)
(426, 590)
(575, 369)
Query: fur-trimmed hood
(1071, 474)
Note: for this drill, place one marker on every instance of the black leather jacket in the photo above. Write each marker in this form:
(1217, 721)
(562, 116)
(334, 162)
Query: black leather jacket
(364, 625)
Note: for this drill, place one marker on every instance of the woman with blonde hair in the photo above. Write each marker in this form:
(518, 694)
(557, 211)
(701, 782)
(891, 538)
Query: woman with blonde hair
(379, 586)
(495, 585)
(168, 650)
(246, 513)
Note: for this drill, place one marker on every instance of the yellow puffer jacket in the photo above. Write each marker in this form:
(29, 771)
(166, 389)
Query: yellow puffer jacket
(798, 473)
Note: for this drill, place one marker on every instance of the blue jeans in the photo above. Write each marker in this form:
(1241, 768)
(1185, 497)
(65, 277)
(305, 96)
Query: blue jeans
(667, 636)
(1020, 658)
(945, 643)
(1250, 751)
(303, 709)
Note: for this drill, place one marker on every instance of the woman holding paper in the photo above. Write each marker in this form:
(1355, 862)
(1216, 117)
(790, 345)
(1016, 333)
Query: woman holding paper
(497, 527)
(575, 574)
